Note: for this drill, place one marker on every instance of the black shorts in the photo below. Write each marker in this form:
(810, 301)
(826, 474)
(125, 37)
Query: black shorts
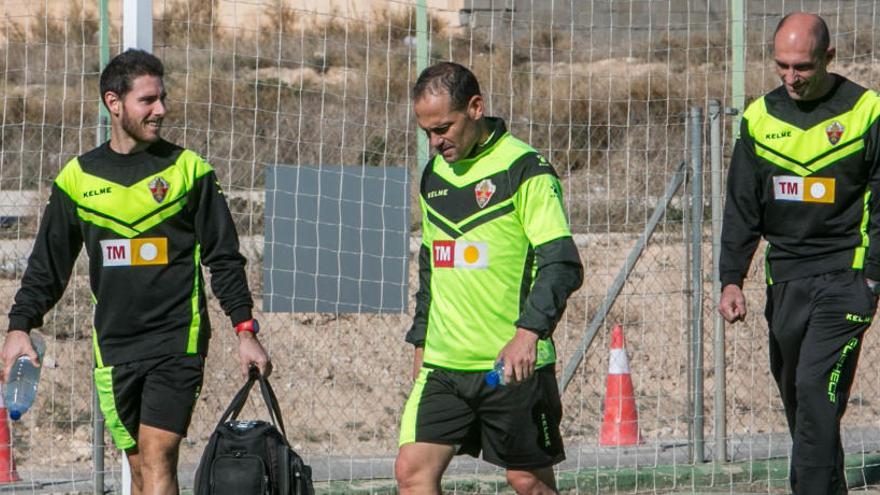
(159, 392)
(516, 426)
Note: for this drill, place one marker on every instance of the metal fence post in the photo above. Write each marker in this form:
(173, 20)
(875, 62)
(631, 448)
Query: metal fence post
(101, 134)
(421, 63)
(696, 149)
(718, 333)
(738, 57)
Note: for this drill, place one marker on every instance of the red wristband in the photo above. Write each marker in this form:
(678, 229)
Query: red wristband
(251, 325)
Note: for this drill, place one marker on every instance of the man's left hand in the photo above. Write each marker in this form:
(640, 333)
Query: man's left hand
(519, 356)
(250, 351)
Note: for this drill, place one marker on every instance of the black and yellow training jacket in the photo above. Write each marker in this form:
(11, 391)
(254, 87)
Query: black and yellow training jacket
(148, 221)
(805, 176)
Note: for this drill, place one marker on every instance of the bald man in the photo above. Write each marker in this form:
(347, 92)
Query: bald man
(804, 175)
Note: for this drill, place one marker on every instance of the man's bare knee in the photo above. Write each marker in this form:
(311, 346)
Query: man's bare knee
(137, 475)
(412, 473)
(158, 455)
(405, 470)
(160, 462)
(538, 482)
(419, 467)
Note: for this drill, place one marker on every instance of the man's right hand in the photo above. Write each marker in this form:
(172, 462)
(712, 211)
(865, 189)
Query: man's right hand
(417, 361)
(733, 303)
(251, 352)
(18, 343)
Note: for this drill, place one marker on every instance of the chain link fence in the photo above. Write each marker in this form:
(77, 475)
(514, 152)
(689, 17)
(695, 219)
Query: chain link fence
(601, 88)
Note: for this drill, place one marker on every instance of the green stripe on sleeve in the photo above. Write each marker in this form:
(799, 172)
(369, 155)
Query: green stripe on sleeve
(767, 265)
(859, 258)
(192, 344)
(99, 362)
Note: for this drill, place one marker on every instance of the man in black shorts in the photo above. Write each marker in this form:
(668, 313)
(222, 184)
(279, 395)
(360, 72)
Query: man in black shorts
(496, 267)
(149, 214)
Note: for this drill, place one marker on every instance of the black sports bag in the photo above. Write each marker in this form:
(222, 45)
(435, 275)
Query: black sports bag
(252, 457)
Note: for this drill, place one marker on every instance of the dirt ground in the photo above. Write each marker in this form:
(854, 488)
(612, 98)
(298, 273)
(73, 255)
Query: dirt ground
(342, 380)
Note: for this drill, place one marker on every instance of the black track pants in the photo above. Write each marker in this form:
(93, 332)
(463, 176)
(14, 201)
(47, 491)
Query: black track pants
(816, 326)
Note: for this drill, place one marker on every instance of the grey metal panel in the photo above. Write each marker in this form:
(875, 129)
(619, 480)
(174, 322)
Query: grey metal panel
(336, 239)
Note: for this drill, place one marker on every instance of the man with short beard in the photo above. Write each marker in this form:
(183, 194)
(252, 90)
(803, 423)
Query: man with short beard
(149, 214)
(805, 175)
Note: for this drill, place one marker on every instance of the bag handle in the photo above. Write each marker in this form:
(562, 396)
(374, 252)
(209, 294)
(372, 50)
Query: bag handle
(238, 401)
(271, 403)
(241, 396)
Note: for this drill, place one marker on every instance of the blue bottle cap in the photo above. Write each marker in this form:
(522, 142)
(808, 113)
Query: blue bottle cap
(492, 379)
(15, 414)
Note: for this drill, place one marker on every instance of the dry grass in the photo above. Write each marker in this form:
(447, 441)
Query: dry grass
(301, 89)
(330, 90)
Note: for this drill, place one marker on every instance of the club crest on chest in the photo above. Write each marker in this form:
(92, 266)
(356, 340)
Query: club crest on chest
(158, 188)
(484, 191)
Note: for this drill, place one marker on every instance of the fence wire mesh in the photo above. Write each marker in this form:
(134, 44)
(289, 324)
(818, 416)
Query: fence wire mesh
(601, 88)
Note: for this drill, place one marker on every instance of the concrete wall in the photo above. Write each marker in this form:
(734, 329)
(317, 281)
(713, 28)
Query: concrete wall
(236, 13)
(607, 24)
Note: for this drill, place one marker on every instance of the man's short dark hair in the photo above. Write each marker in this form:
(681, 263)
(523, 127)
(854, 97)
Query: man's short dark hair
(454, 79)
(824, 34)
(122, 70)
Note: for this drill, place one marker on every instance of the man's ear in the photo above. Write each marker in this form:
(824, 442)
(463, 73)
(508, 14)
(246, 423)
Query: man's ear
(475, 107)
(829, 54)
(113, 102)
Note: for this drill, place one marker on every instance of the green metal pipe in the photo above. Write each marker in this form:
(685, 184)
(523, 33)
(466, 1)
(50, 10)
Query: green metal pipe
(422, 42)
(101, 133)
(738, 49)
(104, 57)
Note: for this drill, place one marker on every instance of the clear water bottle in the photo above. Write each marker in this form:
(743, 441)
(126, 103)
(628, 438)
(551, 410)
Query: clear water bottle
(496, 376)
(21, 388)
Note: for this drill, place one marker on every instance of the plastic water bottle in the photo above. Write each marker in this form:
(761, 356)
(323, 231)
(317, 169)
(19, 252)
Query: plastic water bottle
(21, 388)
(496, 376)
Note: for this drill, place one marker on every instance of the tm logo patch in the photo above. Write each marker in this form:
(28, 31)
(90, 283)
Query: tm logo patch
(460, 254)
(806, 189)
(135, 252)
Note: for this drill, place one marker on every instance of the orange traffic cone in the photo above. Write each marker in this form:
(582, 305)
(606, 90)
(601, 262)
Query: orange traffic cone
(7, 463)
(620, 425)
